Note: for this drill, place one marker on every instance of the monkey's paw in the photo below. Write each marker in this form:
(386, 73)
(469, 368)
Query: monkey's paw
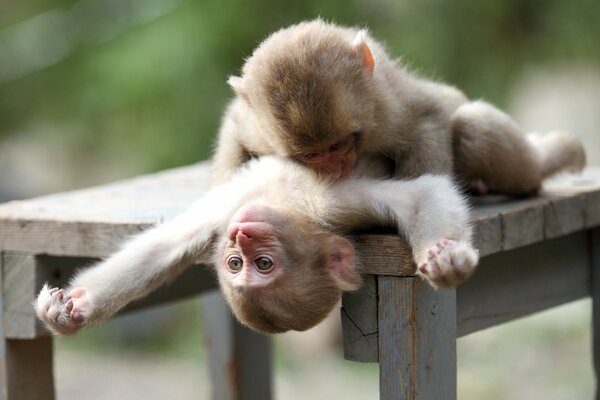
(63, 314)
(448, 263)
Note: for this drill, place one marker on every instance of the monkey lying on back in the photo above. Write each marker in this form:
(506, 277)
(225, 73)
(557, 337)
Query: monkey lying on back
(274, 234)
(330, 97)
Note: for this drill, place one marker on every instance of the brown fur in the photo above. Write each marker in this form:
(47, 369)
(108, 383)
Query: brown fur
(304, 293)
(307, 86)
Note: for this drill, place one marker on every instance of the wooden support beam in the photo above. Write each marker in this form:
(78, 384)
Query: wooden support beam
(359, 322)
(594, 237)
(519, 282)
(25, 365)
(417, 340)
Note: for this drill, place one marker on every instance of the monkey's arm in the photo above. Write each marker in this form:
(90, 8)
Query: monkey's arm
(143, 264)
(429, 212)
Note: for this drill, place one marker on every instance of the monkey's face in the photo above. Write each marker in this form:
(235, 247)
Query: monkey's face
(310, 91)
(318, 119)
(280, 271)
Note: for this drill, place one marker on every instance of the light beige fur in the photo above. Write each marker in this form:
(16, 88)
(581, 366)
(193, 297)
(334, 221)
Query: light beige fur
(308, 85)
(428, 211)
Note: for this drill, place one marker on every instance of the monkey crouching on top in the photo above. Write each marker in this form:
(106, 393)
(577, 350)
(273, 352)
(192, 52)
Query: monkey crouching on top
(275, 235)
(331, 98)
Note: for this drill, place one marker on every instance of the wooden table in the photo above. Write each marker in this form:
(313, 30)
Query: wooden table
(537, 253)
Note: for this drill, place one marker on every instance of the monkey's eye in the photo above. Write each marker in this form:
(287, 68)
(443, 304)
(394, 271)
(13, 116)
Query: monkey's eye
(310, 158)
(345, 144)
(264, 264)
(235, 264)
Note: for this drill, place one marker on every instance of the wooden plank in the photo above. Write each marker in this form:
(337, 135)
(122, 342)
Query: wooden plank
(239, 359)
(94, 222)
(563, 215)
(19, 287)
(594, 237)
(28, 371)
(145, 199)
(516, 283)
(25, 365)
(359, 322)
(488, 233)
(592, 209)
(72, 239)
(523, 223)
(385, 254)
(417, 340)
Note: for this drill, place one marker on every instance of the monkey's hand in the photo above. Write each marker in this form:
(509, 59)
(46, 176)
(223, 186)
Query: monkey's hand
(448, 263)
(63, 314)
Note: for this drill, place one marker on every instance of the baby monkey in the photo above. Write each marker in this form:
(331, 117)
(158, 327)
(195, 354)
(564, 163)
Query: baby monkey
(275, 235)
(331, 98)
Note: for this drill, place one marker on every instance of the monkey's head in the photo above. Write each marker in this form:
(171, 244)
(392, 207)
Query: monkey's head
(279, 271)
(309, 88)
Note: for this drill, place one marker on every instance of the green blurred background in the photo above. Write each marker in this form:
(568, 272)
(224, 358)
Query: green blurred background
(96, 90)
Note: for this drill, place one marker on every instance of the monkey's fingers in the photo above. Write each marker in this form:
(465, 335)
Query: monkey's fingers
(54, 308)
(448, 263)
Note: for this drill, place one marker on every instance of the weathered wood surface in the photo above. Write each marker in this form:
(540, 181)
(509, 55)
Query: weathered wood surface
(519, 282)
(25, 365)
(26, 369)
(595, 289)
(94, 222)
(359, 322)
(507, 285)
(417, 340)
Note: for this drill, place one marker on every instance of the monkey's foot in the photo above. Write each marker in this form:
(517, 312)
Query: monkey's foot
(63, 314)
(448, 263)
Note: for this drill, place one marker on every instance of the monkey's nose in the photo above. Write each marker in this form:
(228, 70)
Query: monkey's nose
(242, 235)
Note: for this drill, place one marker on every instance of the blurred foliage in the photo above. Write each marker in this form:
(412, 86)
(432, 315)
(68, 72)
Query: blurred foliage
(148, 77)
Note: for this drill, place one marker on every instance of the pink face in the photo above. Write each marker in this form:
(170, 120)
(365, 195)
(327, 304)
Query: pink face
(336, 161)
(253, 253)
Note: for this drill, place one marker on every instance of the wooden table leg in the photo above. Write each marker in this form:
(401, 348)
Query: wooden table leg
(417, 340)
(240, 359)
(27, 369)
(25, 358)
(595, 250)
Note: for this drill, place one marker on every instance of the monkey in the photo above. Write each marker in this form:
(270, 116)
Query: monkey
(331, 98)
(276, 234)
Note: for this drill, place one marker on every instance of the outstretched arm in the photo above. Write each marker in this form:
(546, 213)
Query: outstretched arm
(428, 211)
(146, 262)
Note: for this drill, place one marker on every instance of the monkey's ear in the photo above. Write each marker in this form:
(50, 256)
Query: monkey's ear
(360, 44)
(238, 85)
(342, 264)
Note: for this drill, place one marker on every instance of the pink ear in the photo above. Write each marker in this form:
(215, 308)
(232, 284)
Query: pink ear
(360, 43)
(342, 264)
(237, 84)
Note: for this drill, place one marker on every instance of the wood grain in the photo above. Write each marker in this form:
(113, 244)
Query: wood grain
(385, 255)
(27, 369)
(515, 283)
(94, 222)
(594, 237)
(359, 322)
(417, 340)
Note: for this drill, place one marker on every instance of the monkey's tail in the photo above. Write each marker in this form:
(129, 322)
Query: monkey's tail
(559, 151)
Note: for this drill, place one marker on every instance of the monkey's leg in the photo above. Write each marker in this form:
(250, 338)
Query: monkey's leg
(489, 146)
